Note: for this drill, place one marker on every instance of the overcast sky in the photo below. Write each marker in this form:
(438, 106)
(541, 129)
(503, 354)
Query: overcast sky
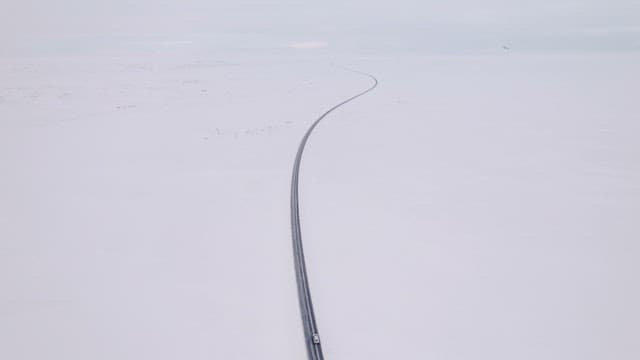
(420, 24)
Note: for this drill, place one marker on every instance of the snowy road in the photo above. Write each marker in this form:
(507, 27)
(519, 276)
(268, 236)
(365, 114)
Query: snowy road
(312, 339)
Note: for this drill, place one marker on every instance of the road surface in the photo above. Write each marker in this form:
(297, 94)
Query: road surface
(312, 337)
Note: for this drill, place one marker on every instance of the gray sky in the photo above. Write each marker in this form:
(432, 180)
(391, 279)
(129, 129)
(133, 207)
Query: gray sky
(416, 24)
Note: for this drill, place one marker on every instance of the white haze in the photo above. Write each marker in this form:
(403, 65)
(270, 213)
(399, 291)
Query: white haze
(481, 203)
(45, 27)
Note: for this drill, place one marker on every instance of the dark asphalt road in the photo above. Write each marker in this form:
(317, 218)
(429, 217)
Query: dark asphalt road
(311, 335)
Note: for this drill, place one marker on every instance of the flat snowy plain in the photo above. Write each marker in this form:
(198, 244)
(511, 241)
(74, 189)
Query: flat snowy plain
(470, 207)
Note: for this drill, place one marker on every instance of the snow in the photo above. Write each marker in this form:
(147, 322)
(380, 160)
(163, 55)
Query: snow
(479, 206)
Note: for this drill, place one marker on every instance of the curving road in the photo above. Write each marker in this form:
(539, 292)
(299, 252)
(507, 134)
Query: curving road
(312, 338)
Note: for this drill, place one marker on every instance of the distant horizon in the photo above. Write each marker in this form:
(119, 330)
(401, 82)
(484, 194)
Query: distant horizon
(69, 27)
(214, 44)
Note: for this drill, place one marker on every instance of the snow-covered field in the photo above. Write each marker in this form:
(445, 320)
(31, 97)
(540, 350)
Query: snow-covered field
(470, 207)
